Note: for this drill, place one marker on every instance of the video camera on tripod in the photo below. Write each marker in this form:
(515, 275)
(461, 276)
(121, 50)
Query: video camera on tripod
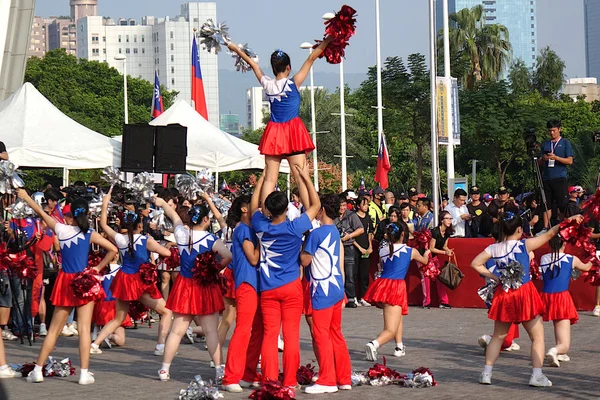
(530, 138)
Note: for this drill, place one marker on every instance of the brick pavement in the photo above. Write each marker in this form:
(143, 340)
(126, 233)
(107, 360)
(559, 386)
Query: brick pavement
(443, 340)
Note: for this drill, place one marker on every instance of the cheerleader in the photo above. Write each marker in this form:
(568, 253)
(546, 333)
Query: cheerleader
(522, 305)
(128, 286)
(74, 237)
(242, 358)
(389, 291)
(188, 297)
(558, 303)
(281, 295)
(324, 256)
(285, 135)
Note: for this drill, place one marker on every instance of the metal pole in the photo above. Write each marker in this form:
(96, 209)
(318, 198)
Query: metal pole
(379, 94)
(125, 91)
(434, 138)
(343, 127)
(313, 127)
(448, 105)
(65, 177)
(474, 173)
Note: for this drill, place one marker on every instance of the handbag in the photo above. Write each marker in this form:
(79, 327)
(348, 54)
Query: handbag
(50, 265)
(451, 276)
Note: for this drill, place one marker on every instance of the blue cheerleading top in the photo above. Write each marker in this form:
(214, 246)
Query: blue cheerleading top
(107, 280)
(201, 242)
(504, 253)
(132, 262)
(243, 271)
(74, 247)
(556, 273)
(284, 98)
(395, 265)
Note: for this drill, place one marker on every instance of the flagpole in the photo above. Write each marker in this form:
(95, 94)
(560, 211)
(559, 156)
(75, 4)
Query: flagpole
(432, 84)
(448, 105)
(379, 90)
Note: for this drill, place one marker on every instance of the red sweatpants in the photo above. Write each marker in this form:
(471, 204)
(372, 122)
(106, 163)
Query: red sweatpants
(281, 308)
(513, 333)
(244, 347)
(332, 354)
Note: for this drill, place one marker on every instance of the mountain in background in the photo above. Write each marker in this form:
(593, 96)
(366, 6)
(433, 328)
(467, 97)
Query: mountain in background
(233, 86)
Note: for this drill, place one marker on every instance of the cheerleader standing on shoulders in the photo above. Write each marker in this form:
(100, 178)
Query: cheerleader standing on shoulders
(324, 253)
(74, 237)
(389, 291)
(558, 303)
(128, 286)
(285, 135)
(281, 297)
(522, 305)
(242, 358)
(189, 297)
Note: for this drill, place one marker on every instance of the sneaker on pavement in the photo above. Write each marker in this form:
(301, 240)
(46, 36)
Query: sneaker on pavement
(596, 312)
(539, 381)
(189, 335)
(400, 351)
(163, 375)
(371, 352)
(7, 373)
(514, 346)
(66, 331)
(159, 352)
(563, 358)
(484, 340)
(212, 364)
(320, 389)
(8, 335)
(107, 343)
(485, 379)
(73, 329)
(364, 303)
(86, 379)
(345, 387)
(552, 357)
(351, 304)
(445, 306)
(247, 385)
(315, 377)
(35, 377)
(233, 388)
(95, 350)
(280, 344)
(43, 330)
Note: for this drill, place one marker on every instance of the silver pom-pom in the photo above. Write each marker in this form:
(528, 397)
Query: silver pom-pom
(511, 276)
(191, 187)
(20, 209)
(111, 175)
(222, 205)
(58, 368)
(159, 218)
(10, 178)
(487, 292)
(214, 36)
(418, 380)
(240, 64)
(200, 390)
(575, 274)
(359, 378)
(142, 186)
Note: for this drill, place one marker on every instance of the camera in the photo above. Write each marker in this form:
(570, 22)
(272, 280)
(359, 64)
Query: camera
(531, 143)
(596, 137)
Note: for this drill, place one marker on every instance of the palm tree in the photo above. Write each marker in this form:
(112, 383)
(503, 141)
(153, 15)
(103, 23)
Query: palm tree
(485, 48)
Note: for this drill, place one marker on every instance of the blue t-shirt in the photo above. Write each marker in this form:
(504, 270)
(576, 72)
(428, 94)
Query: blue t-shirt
(324, 275)
(280, 247)
(132, 262)
(562, 149)
(243, 271)
(504, 253)
(395, 265)
(557, 274)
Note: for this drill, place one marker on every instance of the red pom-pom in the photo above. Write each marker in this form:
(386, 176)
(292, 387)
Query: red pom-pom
(423, 370)
(342, 27)
(4, 257)
(430, 270)
(305, 374)
(534, 270)
(173, 261)
(273, 390)
(381, 370)
(423, 238)
(138, 311)
(22, 266)
(148, 273)
(578, 235)
(592, 206)
(593, 275)
(94, 259)
(207, 271)
(86, 285)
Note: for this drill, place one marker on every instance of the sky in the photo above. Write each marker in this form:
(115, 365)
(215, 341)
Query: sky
(270, 24)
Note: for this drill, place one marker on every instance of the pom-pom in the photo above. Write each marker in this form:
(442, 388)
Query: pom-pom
(273, 390)
(381, 375)
(486, 293)
(593, 275)
(200, 390)
(20, 209)
(419, 378)
(592, 206)
(148, 273)
(423, 238)
(142, 186)
(207, 271)
(111, 175)
(359, 378)
(430, 270)
(341, 28)
(10, 178)
(173, 261)
(214, 36)
(534, 270)
(94, 259)
(511, 276)
(22, 266)
(53, 368)
(161, 221)
(138, 311)
(305, 374)
(190, 187)
(86, 285)
(240, 64)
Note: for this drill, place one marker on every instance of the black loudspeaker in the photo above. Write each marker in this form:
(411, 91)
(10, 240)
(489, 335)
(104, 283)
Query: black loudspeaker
(170, 150)
(137, 151)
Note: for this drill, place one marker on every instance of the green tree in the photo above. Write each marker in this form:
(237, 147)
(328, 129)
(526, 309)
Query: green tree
(549, 73)
(519, 77)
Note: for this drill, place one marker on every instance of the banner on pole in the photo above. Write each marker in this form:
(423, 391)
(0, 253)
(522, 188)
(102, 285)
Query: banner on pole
(447, 121)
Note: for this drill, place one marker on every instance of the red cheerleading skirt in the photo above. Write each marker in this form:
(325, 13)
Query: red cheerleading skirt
(516, 305)
(388, 291)
(105, 311)
(130, 287)
(285, 138)
(63, 295)
(559, 306)
(230, 293)
(306, 298)
(189, 297)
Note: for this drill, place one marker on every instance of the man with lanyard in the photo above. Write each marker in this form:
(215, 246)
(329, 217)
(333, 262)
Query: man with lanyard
(424, 216)
(377, 210)
(556, 154)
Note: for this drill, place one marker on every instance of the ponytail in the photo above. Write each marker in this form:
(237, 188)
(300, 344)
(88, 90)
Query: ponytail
(556, 243)
(394, 232)
(235, 212)
(80, 209)
(508, 223)
(130, 222)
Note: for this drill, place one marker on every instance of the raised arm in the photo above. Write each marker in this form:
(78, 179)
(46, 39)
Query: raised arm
(538, 241)
(255, 200)
(169, 212)
(217, 214)
(255, 67)
(300, 76)
(104, 217)
(313, 196)
(51, 222)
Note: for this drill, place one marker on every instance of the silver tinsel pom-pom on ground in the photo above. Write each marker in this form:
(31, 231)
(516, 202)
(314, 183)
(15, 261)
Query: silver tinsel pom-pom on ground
(200, 390)
(214, 36)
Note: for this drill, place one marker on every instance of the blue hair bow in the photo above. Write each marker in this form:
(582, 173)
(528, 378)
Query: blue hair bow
(131, 215)
(394, 227)
(280, 53)
(508, 215)
(195, 214)
(78, 211)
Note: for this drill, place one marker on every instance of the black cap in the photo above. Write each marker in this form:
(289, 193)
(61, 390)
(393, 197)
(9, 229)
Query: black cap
(378, 190)
(503, 190)
(445, 197)
(475, 190)
(402, 196)
(412, 192)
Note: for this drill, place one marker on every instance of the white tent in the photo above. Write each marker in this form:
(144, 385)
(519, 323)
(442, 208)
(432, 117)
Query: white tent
(37, 134)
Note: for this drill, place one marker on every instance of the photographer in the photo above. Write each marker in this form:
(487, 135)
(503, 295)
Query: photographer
(556, 154)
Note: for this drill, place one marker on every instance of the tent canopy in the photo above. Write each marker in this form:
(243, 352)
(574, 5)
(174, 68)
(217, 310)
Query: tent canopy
(37, 134)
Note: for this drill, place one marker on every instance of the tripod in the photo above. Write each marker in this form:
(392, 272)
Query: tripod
(540, 185)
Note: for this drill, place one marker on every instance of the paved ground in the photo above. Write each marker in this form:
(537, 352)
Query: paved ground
(443, 340)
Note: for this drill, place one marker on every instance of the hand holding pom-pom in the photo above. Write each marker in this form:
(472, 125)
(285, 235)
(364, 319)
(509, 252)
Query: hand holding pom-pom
(86, 285)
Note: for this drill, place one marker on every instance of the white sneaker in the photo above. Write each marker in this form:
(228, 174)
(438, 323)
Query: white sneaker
(345, 387)
(400, 352)
(364, 303)
(95, 350)
(212, 364)
(73, 329)
(66, 331)
(35, 377)
(485, 379)
(539, 381)
(247, 385)
(107, 343)
(358, 304)
(189, 335)
(596, 312)
(163, 375)
(484, 340)
(159, 352)
(315, 378)
(233, 388)
(371, 352)
(43, 330)
(8, 335)
(86, 379)
(514, 346)
(280, 343)
(552, 357)
(7, 373)
(563, 358)
(320, 389)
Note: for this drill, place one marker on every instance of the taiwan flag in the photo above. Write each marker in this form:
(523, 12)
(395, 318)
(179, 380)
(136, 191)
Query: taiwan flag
(157, 100)
(383, 164)
(197, 86)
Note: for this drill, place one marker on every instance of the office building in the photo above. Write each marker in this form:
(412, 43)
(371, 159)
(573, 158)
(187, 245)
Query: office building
(230, 123)
(39, 39)
(519, 16)
(592, 37)
(587, 87)
(156, 44)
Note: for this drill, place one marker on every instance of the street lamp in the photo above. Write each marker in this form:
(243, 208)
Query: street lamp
(121, 57)
(327, 17)
(308, 46)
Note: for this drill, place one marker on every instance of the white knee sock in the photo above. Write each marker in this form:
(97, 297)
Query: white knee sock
(487, 369)
(166, 367)
(376, 344)
(537, 372)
